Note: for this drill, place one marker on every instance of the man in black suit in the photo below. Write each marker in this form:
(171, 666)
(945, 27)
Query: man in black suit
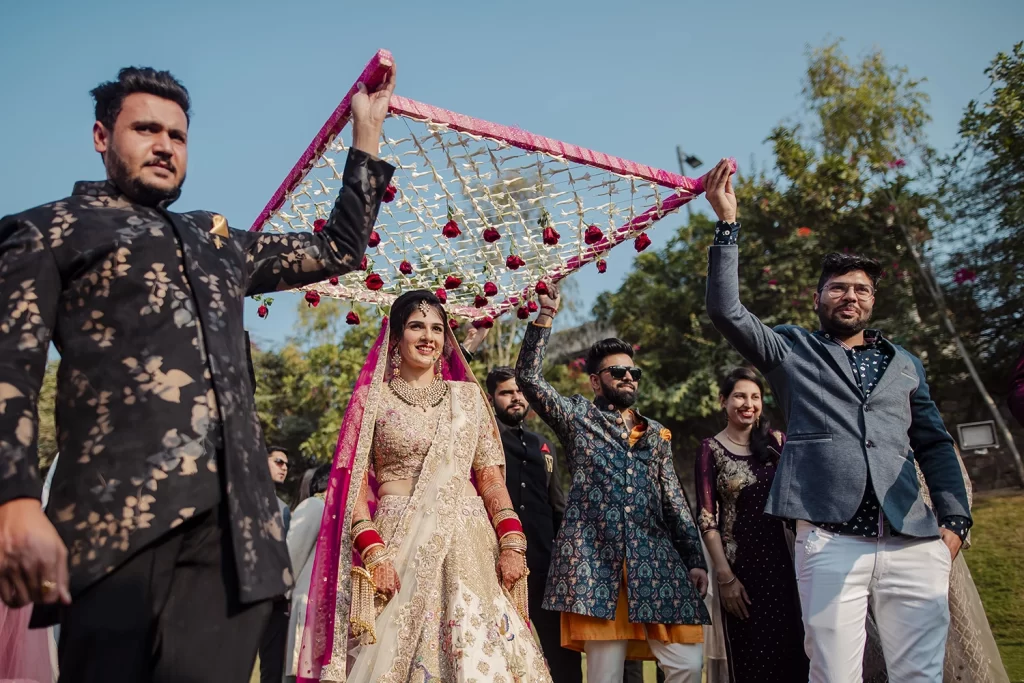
(532, 477)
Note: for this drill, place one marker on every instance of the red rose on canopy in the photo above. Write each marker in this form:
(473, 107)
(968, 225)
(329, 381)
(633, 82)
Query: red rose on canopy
(389, 193)
(964, 275)
(593, 235)
(514, 262)
(452, 282)
(352, 318)
(373, 282)
(319, 224)
(532, 306)
(551, 236)
(374, 239)
(490, 289)
(642, 242)
(441, 295)
(486, 322)
(602, 265)
(364, 263)
(312, 298)
(804, 232)
(333, 280)
(405, 268)
(453, 323)
(542, 287)
(480, 301)
(491, 235)
(451, 229)
(263, 311)
(523, 312)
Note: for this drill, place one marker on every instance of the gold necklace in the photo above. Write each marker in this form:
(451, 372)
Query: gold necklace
(735, 442)
(422, 398)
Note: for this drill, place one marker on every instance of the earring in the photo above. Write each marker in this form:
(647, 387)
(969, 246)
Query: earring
(757, 422)
(438, 365)
(396, 359)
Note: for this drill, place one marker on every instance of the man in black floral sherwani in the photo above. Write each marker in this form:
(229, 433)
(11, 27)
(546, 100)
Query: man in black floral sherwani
(162, 543)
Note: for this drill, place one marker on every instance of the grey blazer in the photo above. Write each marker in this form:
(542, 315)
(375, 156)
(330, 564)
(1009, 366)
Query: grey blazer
(835, 434)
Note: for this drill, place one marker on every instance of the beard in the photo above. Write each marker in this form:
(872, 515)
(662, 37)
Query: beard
(134, 187)
(618, 397)
(839, 327)
(512, 419)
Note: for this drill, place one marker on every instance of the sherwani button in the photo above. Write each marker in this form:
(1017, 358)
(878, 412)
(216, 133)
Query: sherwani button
(627, 508)
(629, 489)
(623, 435)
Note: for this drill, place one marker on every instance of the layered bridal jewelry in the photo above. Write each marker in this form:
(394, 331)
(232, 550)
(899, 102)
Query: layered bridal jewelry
(422, 398)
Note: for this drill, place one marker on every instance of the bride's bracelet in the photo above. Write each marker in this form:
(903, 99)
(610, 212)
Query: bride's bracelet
(375, 556)
(730, 581)
(514, 541)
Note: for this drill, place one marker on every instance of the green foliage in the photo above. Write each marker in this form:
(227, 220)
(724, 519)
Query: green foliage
(984, 186)
(302, 389)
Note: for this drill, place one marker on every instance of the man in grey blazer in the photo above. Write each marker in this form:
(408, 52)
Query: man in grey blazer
(859, 414)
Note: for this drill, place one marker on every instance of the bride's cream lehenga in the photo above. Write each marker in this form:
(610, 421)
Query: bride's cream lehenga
(451, 621)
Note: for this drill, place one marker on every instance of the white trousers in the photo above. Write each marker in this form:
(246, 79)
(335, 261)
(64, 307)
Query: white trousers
(906, 580)
(606, 658)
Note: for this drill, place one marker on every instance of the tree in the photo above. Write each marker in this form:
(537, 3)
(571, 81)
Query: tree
(833, 186)
(984, 184)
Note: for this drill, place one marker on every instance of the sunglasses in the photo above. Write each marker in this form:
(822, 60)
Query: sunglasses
(279, 462)
(619, 371)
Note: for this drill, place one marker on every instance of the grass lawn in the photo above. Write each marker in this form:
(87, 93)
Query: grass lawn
(996, 560)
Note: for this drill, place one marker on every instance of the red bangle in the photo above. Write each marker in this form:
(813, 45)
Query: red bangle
(365, 539)
(508, 526)
(549, 308)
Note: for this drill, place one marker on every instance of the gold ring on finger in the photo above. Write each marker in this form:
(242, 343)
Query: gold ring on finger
(47, 586)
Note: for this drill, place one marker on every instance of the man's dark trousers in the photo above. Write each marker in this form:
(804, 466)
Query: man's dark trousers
(170, 614)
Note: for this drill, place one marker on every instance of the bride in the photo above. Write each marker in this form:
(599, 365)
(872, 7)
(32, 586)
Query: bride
(420, 569)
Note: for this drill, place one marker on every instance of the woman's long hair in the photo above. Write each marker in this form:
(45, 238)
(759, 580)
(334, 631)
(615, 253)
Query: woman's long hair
(762, 445)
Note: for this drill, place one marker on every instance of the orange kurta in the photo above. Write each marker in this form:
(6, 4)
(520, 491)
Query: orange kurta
(578, 628)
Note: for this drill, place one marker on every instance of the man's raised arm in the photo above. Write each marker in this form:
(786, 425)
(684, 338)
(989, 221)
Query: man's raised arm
(553, 408)
(285, 261)
(754, 340)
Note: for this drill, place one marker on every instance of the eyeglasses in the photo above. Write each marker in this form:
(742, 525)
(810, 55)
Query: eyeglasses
(838, 290)
(279, 462)
(619, 371)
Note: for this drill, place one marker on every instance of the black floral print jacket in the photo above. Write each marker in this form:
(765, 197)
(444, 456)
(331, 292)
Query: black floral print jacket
(155, 411)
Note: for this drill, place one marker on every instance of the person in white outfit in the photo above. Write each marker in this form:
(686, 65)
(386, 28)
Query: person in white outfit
(302, 535)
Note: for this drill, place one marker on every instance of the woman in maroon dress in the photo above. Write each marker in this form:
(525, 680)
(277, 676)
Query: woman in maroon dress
(752, 562)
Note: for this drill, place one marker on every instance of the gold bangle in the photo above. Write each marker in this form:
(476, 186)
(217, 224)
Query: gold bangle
(502, 516)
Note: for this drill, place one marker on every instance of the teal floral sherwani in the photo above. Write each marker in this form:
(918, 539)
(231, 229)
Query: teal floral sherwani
(624, 504)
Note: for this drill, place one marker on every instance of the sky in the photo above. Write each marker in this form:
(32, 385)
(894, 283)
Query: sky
(631, 79)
